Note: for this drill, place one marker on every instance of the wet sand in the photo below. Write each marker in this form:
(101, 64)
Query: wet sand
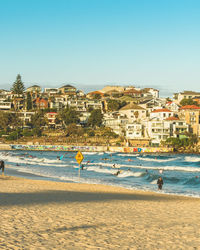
(39, 214)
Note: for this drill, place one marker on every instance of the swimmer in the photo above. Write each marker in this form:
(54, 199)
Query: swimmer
(117, 173)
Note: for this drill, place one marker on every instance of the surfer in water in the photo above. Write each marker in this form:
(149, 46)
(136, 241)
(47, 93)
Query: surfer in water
(2, 166)
(160, 183)
(118, 172)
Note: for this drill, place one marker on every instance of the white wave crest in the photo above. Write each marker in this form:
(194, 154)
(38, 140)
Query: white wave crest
(129, 173)
(156, 160)
(192, 159)
(130, 155)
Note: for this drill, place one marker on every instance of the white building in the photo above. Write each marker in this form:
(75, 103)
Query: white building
(161, 114)
(51, 91)
(134, 131)
(174, 107)
(116, 122)
(94, 104)
(187, 95)
(157, 130)
(25, 116)
(5, 105)
(133, 112)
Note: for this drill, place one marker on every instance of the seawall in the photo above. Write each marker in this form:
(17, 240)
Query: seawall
(92, 148)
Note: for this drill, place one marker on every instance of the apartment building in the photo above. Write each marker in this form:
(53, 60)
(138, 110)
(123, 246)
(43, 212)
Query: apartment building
(191, 114)
(116, 121)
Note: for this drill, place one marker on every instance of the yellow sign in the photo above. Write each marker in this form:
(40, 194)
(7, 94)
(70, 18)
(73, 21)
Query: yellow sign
(79, 157)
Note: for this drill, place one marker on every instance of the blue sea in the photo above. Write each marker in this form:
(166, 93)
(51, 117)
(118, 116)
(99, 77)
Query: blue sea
(181, 173)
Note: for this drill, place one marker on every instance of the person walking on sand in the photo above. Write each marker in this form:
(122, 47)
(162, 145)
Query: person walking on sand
(160, 183)
(2, 166)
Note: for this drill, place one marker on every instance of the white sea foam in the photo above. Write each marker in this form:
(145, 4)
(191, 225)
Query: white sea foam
(192, 159)
(89, 153)
(129, 173)
(169, 168)
(156, 159)
(101, 170)
(32, 161)
(129, 155)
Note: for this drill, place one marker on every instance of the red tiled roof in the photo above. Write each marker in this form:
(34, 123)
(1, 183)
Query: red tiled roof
(168, 103)
(190, 107)
(95, 92)
(172, 118)
(161, 110)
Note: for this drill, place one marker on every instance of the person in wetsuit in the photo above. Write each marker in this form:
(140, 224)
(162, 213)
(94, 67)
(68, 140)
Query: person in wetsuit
(2, 166)
(160, 183)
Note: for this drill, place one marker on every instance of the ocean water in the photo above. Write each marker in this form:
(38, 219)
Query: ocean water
(181, 173)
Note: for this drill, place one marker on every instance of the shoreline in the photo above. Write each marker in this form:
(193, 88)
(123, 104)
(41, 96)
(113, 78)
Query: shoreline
(106, 186)
(53, 215)
(35, 177)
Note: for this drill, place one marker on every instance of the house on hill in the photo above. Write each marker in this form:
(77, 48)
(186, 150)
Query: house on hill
(93, 94)
(187, 95)
(161, 114)
(133, 92)
(106, 89)
(51, 91)
(34, 91)
(133, 112)
(34, 88)
(172, 106)
(150, 92)
(68, 90)
(40, 103)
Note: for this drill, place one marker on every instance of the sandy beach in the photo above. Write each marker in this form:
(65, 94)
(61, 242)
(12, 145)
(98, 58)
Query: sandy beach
(51, 215)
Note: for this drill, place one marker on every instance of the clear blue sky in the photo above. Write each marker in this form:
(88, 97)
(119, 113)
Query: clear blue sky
(93, 43)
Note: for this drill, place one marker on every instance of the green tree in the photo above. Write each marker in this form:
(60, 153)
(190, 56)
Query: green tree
(113, 105)
(18, 86)
(187, 102)
(9, 120)
(192, 138)
(95, 119)
(38, 120)
(29, 103)
(168, 99)
(74, 130)
(97, 96)
(68, 116)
